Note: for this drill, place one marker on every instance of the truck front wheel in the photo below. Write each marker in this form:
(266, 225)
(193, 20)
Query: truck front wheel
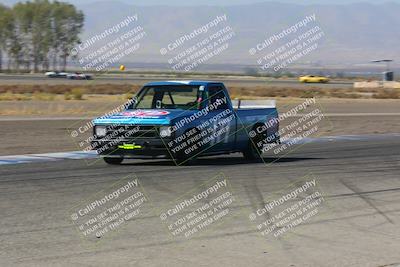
(113, 161)
(183, 157)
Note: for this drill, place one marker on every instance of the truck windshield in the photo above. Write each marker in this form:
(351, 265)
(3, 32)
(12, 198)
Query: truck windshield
(168, 97)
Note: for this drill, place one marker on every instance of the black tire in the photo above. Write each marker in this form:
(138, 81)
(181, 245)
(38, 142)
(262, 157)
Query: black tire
(181, 158)
(113, 161)
(253, 152)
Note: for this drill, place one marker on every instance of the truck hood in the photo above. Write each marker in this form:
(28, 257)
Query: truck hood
(143, 117)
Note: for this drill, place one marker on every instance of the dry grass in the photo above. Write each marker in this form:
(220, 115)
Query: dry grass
(242, 92)
(42, 96)
(387, 94)
(10, 96)
(74, 94)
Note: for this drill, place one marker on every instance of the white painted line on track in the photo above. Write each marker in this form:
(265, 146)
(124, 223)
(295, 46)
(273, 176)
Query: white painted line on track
(34, 158)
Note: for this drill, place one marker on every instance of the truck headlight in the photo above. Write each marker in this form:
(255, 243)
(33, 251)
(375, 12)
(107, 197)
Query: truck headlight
(165, 131)
(100, 131)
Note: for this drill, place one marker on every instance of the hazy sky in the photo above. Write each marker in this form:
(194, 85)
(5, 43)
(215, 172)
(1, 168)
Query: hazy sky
(215, 2)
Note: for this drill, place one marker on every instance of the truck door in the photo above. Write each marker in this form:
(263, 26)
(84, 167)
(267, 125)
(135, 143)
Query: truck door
(222, 119)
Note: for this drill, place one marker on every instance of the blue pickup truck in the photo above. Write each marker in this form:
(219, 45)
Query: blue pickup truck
(182, 120)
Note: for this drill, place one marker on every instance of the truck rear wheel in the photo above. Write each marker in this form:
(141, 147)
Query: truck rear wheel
(253, 152)
(113, 161)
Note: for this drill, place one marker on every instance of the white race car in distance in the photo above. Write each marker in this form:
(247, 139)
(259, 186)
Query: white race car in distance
(79, 76)
(56, 74)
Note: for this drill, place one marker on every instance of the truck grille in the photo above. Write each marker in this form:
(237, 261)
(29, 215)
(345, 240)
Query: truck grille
(131, 131)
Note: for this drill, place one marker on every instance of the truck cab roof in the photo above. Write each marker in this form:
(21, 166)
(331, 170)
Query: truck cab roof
(195, 83)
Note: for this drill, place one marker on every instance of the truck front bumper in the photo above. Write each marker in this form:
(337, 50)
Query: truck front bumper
(136, 148)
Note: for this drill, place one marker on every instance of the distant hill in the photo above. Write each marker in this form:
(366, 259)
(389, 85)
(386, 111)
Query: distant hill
(354, 33)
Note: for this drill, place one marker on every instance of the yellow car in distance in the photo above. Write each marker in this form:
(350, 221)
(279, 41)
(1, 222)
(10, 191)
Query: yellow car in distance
(313, 79)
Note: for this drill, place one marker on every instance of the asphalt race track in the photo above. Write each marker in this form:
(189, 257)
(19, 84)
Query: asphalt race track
(358, 223)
